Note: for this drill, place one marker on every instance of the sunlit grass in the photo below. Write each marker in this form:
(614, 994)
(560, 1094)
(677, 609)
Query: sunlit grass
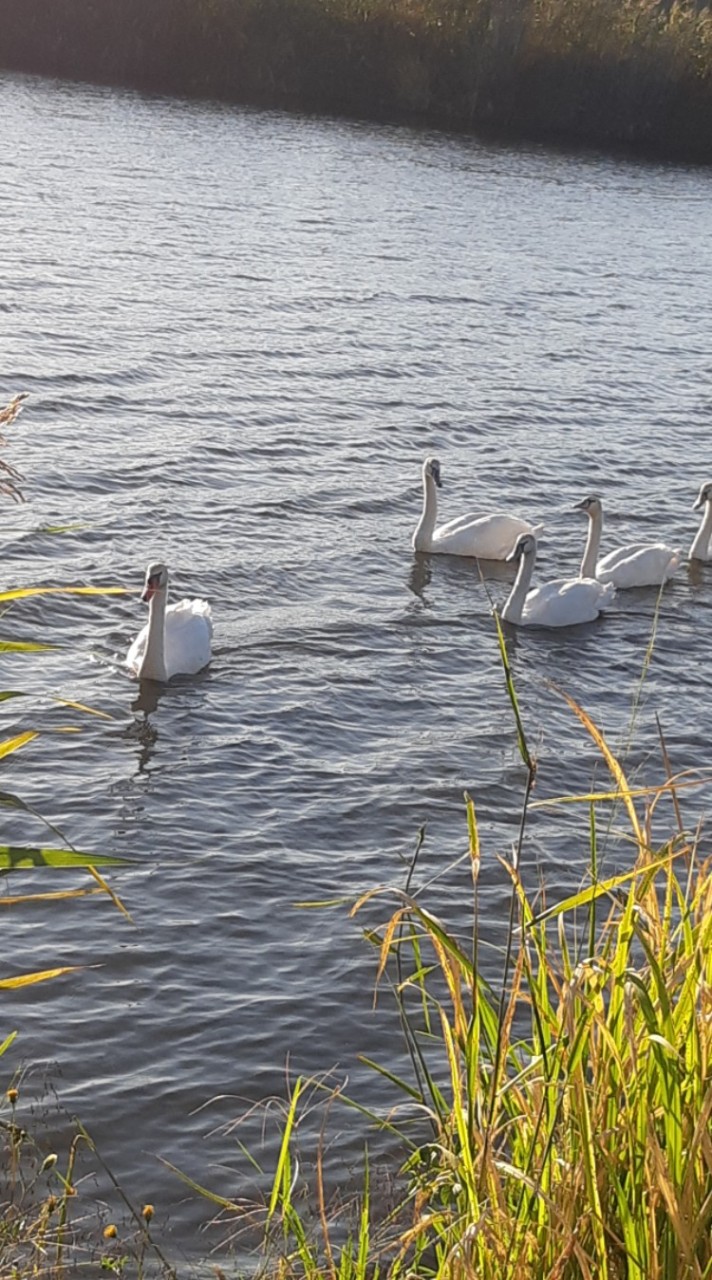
(558, 1123)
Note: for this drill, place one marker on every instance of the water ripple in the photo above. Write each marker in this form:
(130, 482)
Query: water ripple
(241, 333)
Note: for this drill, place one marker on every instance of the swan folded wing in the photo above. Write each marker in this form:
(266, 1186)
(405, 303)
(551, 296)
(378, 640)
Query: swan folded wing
(638, 565)
(137, 648)
(189, 629)
(459, 522)
(566, 602)
(486, 537)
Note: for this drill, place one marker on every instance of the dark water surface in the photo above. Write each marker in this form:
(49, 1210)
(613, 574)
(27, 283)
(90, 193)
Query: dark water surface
(241, 333)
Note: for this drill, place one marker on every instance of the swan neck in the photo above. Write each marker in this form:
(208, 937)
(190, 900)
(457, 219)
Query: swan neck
(593, 542)
(700, 549)
(423, 536)
(153, 666)
(512, 611)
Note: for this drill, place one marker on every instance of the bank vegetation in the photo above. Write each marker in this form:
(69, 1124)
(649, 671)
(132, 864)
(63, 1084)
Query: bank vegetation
(607, 72)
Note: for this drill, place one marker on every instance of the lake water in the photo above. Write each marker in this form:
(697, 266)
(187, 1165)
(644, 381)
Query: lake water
(241, 333)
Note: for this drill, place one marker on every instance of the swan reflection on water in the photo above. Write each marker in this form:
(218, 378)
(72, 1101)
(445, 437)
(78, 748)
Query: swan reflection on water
(142, 729)
(149, 695)
(482, 571)
(420, 577)
(696, 574)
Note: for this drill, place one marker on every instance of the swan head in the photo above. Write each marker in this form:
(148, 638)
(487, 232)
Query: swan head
(156, 580)
(524, 546)
(591, 505)
(705, 495)
(431, 467)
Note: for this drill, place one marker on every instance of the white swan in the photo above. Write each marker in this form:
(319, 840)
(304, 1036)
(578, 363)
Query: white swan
(638, 564)
(486, 537)
(175, 640)
(701, 548)
(563, 603)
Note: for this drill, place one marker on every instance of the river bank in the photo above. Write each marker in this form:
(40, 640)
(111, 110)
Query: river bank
(607, 74)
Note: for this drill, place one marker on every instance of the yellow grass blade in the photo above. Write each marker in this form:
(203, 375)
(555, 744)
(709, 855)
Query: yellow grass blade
(596, 890)
(106, 888)
(24, 646)
(21, 593)
(27, 979)
(13, 744)
(673, 784)
(613, 765)
(474, 835)
(80, 706)
(55, 896)
(388, 936)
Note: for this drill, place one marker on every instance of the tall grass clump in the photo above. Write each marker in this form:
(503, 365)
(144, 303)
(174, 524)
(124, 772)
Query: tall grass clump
(556, 1122)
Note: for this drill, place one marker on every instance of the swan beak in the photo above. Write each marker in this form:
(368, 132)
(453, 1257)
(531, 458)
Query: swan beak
(580, 506)
(699, 502)
(513, 555)
(148, 592)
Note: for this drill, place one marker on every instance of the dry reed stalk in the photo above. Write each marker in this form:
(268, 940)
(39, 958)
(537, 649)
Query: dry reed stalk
(9, 481)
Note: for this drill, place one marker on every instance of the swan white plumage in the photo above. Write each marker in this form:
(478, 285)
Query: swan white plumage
(566, 602)
(701, 548)
(175, 640)
(637, 564)
(487, 537)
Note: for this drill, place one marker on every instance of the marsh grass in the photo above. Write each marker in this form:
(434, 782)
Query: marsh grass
(557, 1124)
(604, 71)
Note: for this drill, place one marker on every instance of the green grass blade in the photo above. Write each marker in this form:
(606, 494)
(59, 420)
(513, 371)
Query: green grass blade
(279, 1189)
(24, 857)
(521, 736)
(7, 1042)
(24, 646)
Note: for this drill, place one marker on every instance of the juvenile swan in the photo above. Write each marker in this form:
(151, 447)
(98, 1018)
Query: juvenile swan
(701, 548)
(487, 537)
(175, 640)
(563, 603)
(638, 564)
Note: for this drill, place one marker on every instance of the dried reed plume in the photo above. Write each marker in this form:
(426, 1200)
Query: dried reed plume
(9, 479)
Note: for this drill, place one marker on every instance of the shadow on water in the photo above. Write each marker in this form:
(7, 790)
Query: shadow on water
(142, 729)
(696, 574)
(420, 577)
(454, 569)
